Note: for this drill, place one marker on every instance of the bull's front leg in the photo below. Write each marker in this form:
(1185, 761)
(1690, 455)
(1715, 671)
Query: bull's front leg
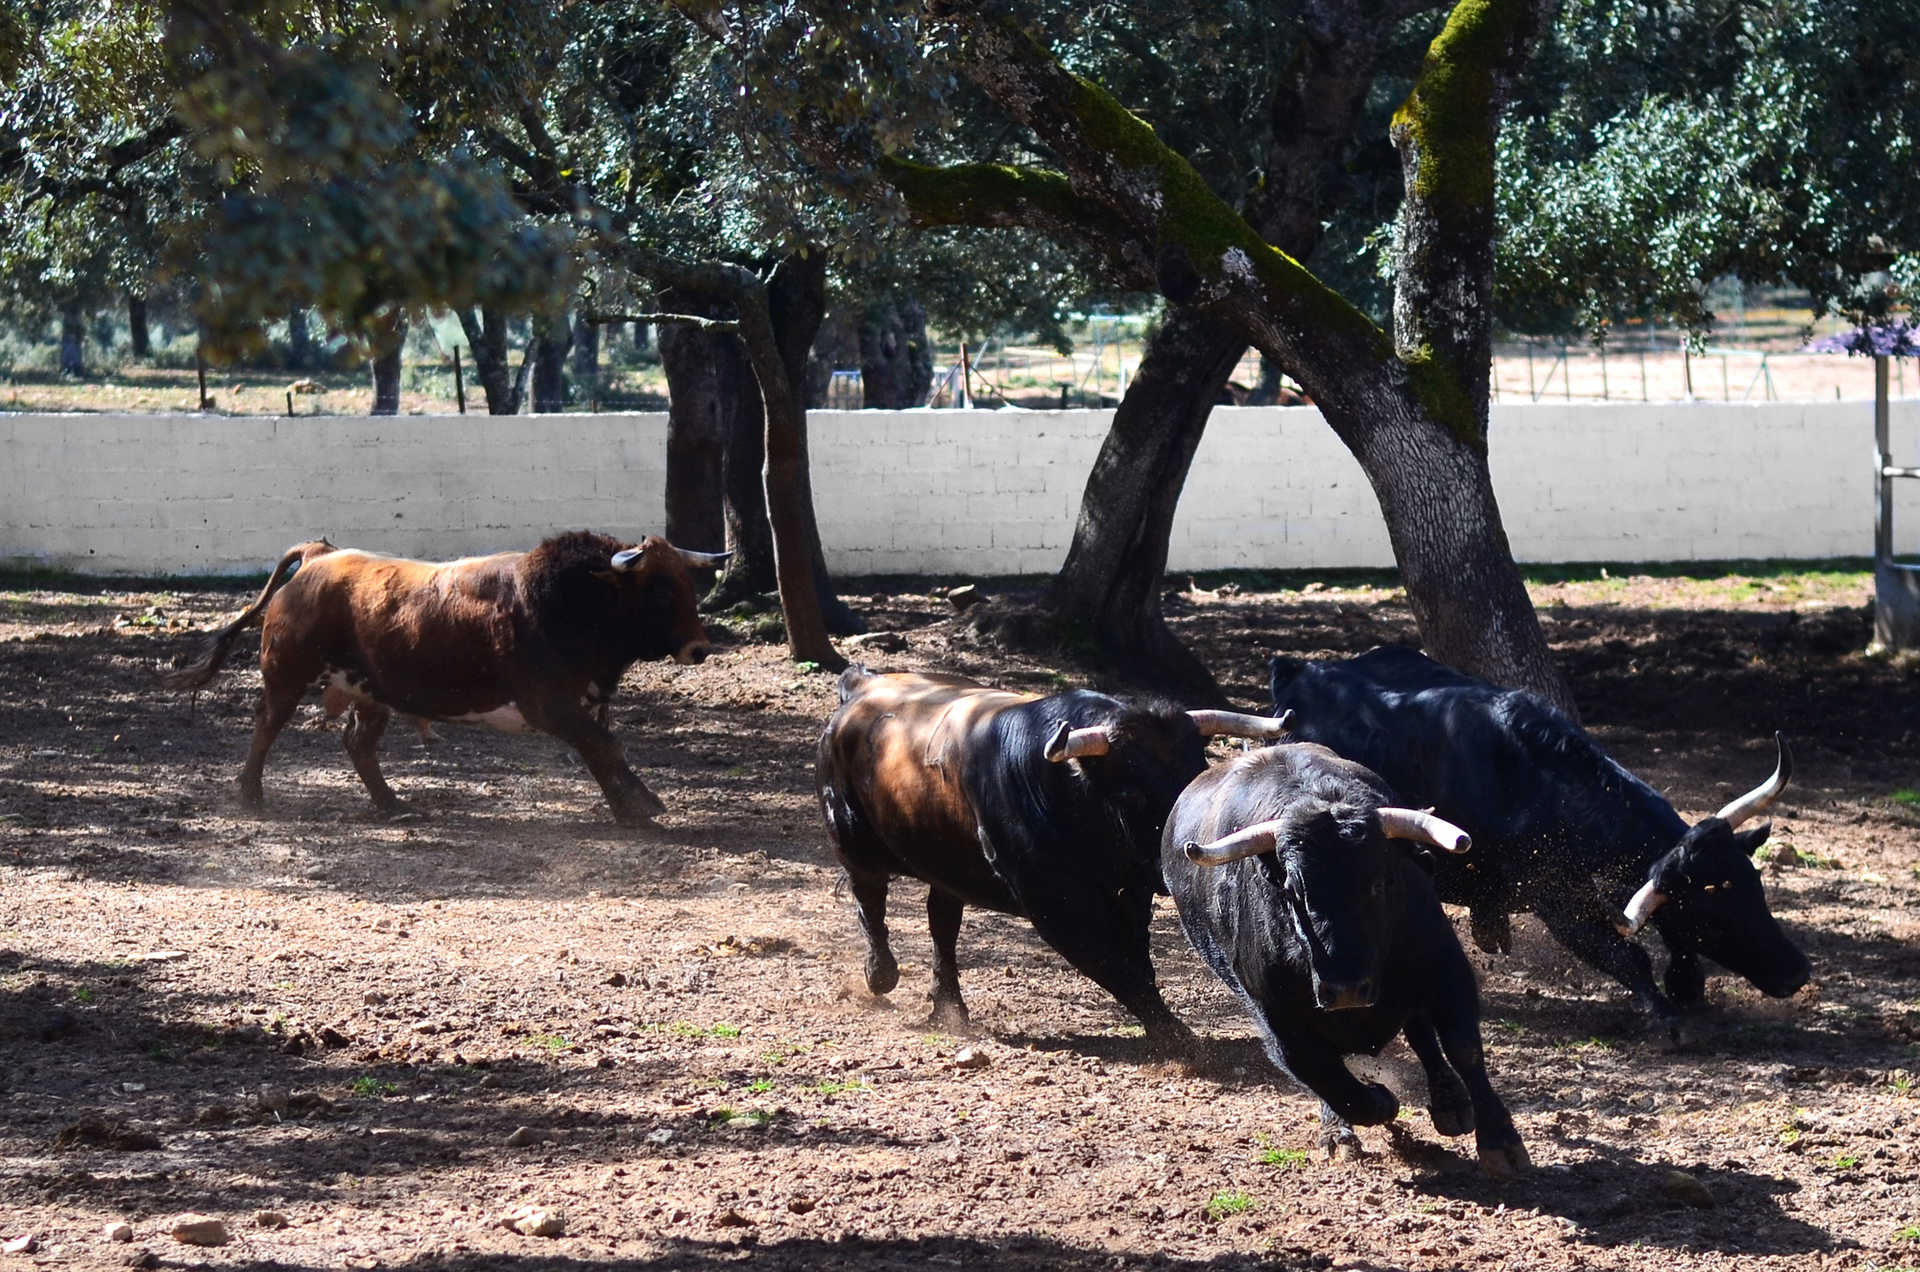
(1345, 1101)
(1454, 1014)
(632, 803)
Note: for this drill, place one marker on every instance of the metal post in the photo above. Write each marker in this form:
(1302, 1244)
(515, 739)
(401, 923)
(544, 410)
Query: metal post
(1686, 368)
(1726, 390)
(1643, 375)
(459, 382)
(1566, 381)
(1882, 460)
(200, 368)
(1531, 391)
(1603, 371)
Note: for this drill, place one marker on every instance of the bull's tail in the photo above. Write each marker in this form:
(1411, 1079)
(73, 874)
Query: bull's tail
(203, 669)
(852, 678)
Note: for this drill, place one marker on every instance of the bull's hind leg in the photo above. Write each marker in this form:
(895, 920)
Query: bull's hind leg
(943, 925)
(366, 721)
(281, 688)
(870, 892)
(1108, 942)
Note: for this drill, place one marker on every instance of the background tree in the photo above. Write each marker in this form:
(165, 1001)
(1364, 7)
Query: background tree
(1657, 147)
(1411, 404)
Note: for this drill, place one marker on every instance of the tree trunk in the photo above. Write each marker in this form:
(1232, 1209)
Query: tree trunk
(586, 358)
(896, 359)
(1108, 591)
(487, 342)
(552, 338)
(299, 340)
(641, 338)
(797, 302)
(1266, 390)
(73, 331)
(707, 378)
(139, 334)
(1466, 593)
(779, 363)
(390, 338)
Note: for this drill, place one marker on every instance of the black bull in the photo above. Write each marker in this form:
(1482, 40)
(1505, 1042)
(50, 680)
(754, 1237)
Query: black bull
(1302, 886)
(1048, 808)
(1560, 828)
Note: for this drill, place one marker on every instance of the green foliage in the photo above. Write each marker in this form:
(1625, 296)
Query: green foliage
(368, 1087)
(1232, 1201)
(1659, 146)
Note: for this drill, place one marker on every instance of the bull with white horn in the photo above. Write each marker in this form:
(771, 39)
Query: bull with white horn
(1308, 889)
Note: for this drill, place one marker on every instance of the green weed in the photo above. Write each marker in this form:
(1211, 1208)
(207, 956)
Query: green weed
(1845, 1161)
(1231, 1202)
(833, 1086)
(1284, 1158)
(760, 1085)
(83, 994)
(368, 1087)
(552, 1042)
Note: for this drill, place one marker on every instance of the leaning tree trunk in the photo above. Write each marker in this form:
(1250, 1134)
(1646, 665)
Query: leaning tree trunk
(73, 331)
(552, 338)
(299, 340)
(390, 337)
(586, 357)
(1108, 592)
(139, 334)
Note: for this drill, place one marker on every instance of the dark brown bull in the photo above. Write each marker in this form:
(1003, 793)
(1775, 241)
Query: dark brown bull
(1048, 808)
(517, 640)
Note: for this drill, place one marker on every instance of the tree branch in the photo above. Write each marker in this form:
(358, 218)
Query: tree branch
(731, 325)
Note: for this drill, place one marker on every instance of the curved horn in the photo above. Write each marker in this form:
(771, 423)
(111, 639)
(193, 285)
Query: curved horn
(1237, 724)
(1764, 794)
(627, 559)
(1250, 842)
(702, 560)
(1644, 903)
(1068, 743)
(1411, 823)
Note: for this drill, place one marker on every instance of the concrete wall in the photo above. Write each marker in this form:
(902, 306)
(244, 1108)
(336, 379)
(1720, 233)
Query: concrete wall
(981, 492)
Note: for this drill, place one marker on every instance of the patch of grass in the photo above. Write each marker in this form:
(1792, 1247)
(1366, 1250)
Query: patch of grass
(1284, 1158)
(760, 1085)
(834, 1086)
(684, 1029)
(368, 1087)
(1906, 797)
(1513, 1028)
(1845, 1161)
(1909, 1234)
(83, 995)
(1233, 1201)
(552, 1042)
(1584, 1044)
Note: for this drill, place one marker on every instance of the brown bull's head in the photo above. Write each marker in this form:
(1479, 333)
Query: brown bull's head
(662, 576)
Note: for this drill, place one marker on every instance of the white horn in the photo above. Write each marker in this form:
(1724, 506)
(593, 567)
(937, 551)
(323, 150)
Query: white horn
(1251, 842)
(1423, 827)
(1764, 794)
(703, 560)
(1068, 743)
(627, 559)
(1238, 724)
(1644, 903)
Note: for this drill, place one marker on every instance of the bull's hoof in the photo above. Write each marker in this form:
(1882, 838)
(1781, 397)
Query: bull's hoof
(950, 1017)
(1376, 1107)
(1171, 1037)
(1452, 1119)
(882, 973)
(1341, 1144)
(1686, 984)
(636, 818)
(1505, 1161)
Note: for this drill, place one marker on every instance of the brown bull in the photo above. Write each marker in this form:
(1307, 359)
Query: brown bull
(517, 640)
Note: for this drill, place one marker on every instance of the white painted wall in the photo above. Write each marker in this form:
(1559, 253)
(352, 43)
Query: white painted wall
(939, 492)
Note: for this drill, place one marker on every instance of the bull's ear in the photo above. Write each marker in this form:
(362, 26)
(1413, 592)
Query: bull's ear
(1422, 858)
(1749, 841)
(606, 576)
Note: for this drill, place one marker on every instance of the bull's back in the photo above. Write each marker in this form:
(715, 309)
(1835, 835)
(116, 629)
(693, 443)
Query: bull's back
(897, 752)
(433, 639)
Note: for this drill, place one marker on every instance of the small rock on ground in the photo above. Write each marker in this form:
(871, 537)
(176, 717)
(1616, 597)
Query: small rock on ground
(535, 1221)
(971, 1058)
(119, 1232)
(197, 1230)
(269, 1219)
(20, 1245)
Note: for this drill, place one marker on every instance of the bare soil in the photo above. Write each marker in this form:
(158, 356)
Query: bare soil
(390, 1034)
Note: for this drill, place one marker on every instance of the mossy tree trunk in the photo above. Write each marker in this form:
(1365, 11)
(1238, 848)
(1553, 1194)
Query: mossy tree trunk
(389, 340)
(707, 378)
(486, 333)
(1412, 408)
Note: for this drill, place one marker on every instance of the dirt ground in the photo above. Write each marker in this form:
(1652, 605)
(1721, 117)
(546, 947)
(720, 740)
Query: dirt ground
(361, 1043)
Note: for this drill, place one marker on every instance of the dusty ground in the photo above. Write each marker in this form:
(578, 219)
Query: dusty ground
(349, 1023)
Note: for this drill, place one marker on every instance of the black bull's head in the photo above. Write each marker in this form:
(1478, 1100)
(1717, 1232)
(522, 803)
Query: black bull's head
(1704, 894)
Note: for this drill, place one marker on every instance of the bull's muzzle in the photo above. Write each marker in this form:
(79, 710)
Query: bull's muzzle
(694, 651)
(1345, 995)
